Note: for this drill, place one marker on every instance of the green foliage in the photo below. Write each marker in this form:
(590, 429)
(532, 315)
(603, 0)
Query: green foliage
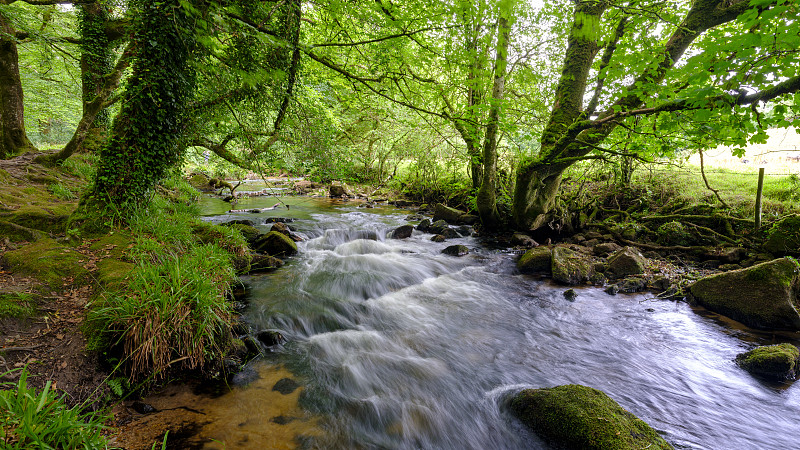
(81, 165)
(31, 419)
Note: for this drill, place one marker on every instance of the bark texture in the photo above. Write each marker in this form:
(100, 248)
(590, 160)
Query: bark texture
(13, 138)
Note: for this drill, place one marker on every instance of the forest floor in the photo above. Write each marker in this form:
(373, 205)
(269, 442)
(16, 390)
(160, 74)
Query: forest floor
(49, 343)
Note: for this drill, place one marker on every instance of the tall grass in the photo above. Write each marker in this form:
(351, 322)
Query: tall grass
(173, 311)
(40, 420)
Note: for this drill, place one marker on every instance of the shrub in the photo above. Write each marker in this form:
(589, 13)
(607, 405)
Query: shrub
(31, 419)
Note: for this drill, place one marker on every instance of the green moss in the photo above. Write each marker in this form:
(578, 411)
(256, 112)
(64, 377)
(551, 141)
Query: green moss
(580, 417)
(17, 304)
(763, 296)
(5, 177)
(275, 244)
(249, 233)
(784, 236)
(535, 260)
(773, 361)
(111, 273)
(55, 264)
(570, 267)
(18, 233)
(227, 238)
(114, 245)
(51, 218)
(674, 233)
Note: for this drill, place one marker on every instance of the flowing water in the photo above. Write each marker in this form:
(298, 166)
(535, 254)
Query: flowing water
(400, 346)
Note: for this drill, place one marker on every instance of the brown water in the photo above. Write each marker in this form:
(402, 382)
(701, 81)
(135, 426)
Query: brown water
(399, 346)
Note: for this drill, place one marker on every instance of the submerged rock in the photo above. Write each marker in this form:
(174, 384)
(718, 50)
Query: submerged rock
(270, 337)
(778, 362)
(580, 417)
(275, 244)
(535, 260)
(438, 238)
(264, 263)
(763, 296)
(456, 250)
(403, 232)
(625, 262)
(286, 386)
(570, 295)
(570, 267)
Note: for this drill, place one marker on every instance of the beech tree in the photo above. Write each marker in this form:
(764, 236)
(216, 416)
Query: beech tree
(709, 61)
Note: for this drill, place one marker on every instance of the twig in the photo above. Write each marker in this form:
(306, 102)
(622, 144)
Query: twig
(705, 180)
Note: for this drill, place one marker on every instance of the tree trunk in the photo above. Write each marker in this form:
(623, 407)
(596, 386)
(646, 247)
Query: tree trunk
(96, 63)
(534, 195)
(487, 194)
(13, 139)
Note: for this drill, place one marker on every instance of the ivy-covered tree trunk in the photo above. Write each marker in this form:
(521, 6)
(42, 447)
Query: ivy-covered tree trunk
(96, 63)
(146, 138)
(13, 138)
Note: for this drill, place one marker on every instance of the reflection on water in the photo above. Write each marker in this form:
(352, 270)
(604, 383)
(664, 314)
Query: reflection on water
(400, 346)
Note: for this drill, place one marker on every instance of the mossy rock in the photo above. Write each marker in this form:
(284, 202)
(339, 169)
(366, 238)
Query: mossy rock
(264, 263)
(200, 182)
(784, 236)
(446, 213)
(17, 304)
(535, 260)
(674, 233)
(275, 244)
(456, 250)
(53, 263)
(111, 273)
(771, 361)
(583, 418)
(50, 218)
(763, 296)
(18, 233)
(625, 262)
(250, 233)
(570, 267)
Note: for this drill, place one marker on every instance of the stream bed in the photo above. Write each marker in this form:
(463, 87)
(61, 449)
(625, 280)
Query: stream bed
(396, 345)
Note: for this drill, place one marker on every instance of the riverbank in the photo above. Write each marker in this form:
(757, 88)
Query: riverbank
(51, 300)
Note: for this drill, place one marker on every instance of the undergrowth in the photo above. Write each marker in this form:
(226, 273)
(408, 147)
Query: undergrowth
(31, 419)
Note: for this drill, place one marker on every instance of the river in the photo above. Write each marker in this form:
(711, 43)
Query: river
(399, 346)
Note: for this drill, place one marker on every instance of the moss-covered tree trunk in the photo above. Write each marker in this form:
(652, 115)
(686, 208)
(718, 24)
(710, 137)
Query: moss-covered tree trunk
(96, 63)
(13, 138)
(486, 200)
(146, 138)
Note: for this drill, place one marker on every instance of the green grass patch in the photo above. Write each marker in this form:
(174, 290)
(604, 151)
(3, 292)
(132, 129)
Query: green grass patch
(61, 192)
(31, 419)
(17, 304)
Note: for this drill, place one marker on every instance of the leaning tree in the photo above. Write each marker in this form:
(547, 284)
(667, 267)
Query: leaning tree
(715, 62)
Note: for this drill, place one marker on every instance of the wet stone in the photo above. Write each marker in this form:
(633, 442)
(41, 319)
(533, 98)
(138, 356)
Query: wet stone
(438, 238)
(456, 250)
(143, 408)
(282, 420)
(285, 386)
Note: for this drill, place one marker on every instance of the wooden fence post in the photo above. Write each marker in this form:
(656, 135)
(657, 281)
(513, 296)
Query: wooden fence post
(758, 197)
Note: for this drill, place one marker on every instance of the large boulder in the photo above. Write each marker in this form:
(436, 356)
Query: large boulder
(779, 362)
(582, 418)
(535, 260)
(337, 191)
(446, 213)
(570, 267)
(784, 237)
(625, 262)
(275, 244)
(764, 296)
(438, 227)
